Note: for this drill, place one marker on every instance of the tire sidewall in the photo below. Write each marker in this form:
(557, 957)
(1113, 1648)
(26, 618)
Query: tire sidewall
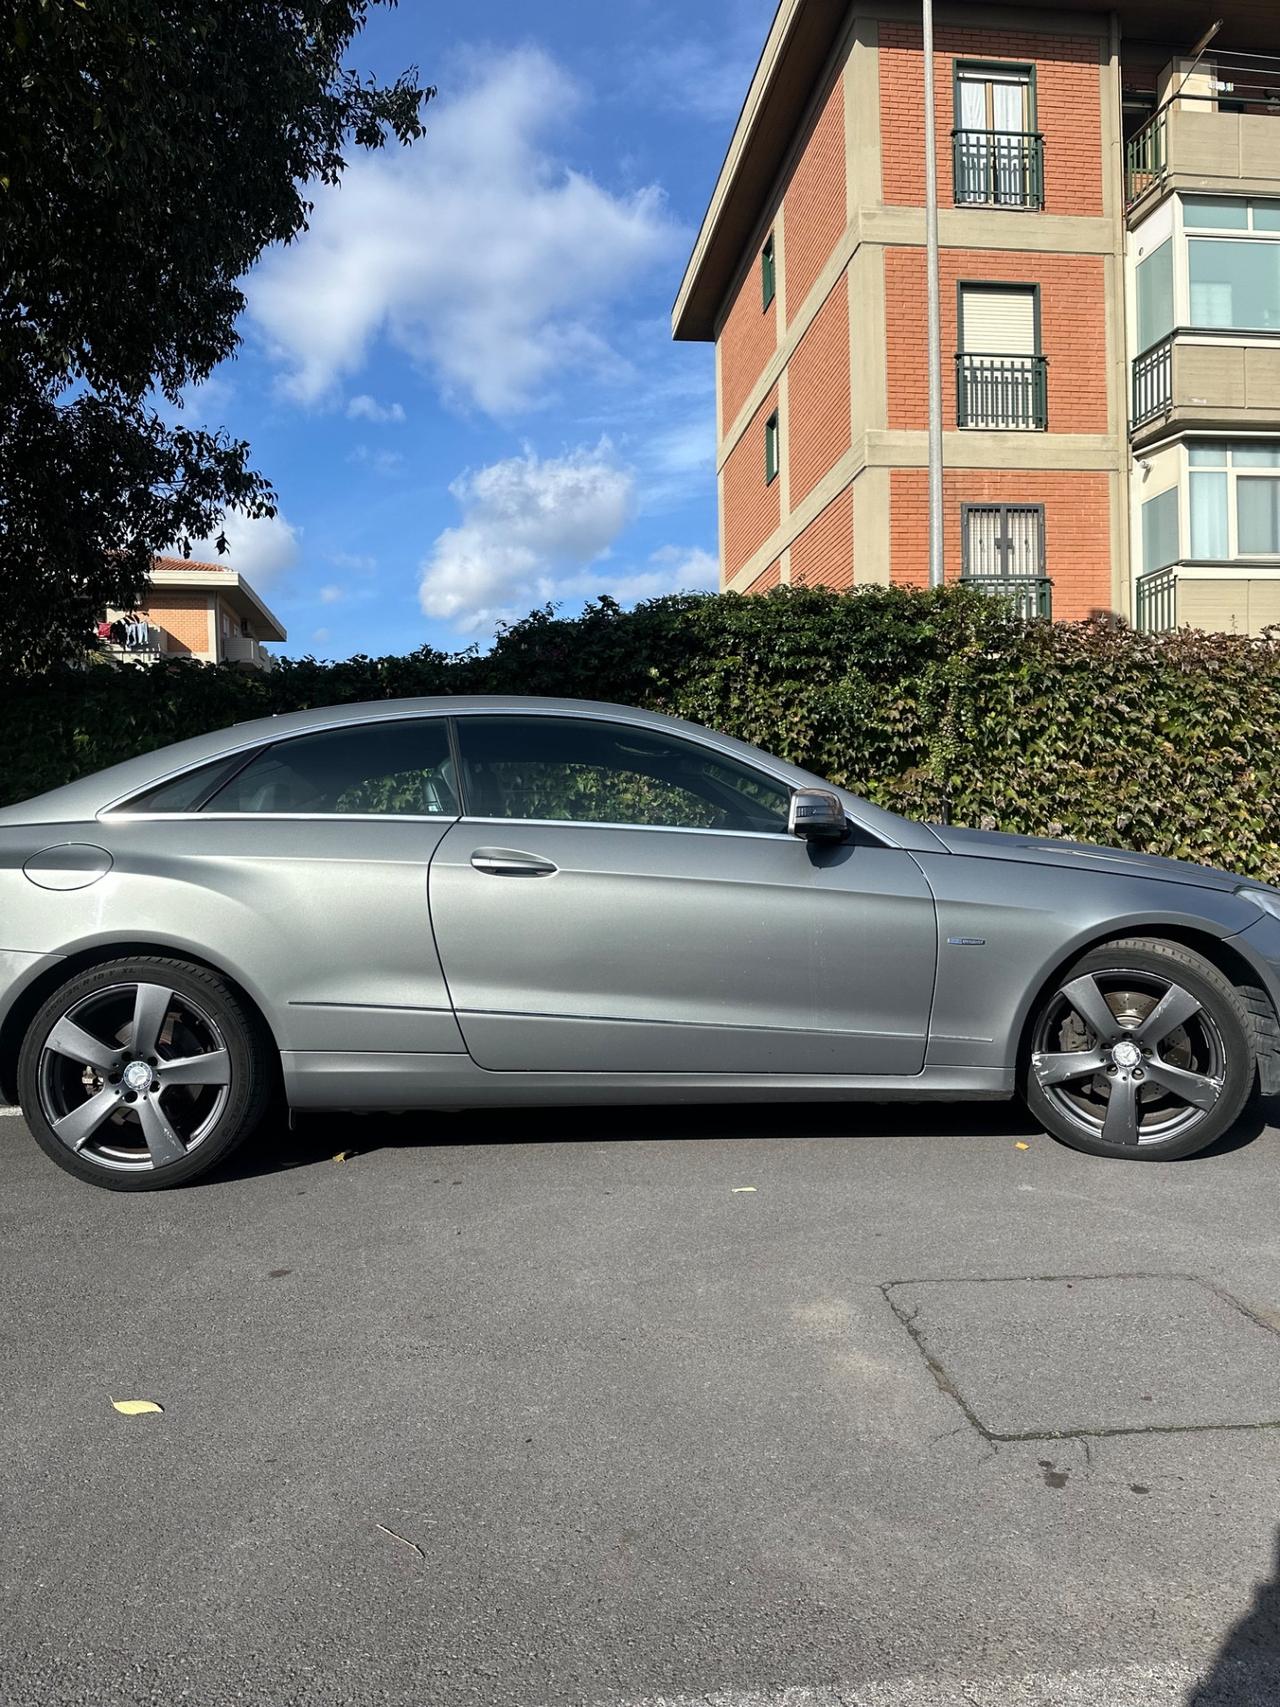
(244, 1099)
(1216, 995)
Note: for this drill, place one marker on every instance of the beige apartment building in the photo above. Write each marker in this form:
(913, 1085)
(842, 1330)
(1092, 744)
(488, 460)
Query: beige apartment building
(1109, 195)
(203, 611)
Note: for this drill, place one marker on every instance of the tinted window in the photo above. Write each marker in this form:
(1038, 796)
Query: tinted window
(393, 767)
(185, 793)
(589, 772)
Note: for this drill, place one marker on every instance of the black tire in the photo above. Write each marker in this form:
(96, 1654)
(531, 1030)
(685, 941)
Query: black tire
(223, 1064)
(1187, 1085)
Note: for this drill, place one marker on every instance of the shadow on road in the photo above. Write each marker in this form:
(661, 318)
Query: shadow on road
(318, 1137)
(1246, 1669)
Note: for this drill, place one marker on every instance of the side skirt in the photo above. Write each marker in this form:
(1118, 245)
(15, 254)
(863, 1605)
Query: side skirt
(373, 1081)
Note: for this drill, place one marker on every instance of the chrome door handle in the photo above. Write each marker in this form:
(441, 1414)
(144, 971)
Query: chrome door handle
(505, 862)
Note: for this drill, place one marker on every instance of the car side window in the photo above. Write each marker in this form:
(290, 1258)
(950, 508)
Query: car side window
(392, 768)
(187, 792)
(587, 771)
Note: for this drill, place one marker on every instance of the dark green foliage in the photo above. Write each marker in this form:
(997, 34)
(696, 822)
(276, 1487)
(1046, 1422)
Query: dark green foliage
(149, 151)
(919, 701)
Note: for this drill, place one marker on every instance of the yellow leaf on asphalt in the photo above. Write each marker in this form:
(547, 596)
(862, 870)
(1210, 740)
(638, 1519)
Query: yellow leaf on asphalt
(136, 1407)
(1021, 1146)
(342, 1155)
(744, 1188)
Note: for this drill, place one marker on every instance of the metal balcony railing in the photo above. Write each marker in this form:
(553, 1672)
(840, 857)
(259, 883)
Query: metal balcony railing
(1156, 602)
(1146, 156)
(1241, 83)
(1032, 594)
(1152, 382)
(996, 168)
(1002, 392)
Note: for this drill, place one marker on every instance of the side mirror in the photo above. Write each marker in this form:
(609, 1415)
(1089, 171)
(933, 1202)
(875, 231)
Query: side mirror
(817, 815)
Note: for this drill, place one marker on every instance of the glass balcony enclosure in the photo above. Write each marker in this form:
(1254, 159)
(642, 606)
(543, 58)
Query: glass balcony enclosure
(1206, 271)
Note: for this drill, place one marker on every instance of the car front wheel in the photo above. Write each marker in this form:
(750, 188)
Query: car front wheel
(143, 1073)
(1143, 1051)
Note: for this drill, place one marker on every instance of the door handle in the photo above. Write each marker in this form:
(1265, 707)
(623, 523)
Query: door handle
(506, 862)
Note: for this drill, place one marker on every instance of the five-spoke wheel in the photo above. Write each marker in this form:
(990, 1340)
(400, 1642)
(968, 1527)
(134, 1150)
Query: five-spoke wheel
(1142, 1050)
(142, 1073)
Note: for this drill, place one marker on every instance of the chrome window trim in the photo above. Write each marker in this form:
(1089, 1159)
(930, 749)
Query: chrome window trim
(605, 824)
(125, 817)
(118, 809)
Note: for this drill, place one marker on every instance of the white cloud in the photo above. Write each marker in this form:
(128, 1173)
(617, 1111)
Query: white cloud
(380, 461)
(537, 528)
(260, 549)
(478, 253)
(691, 74)
(359, 562)
(366, 408)
(332, 594)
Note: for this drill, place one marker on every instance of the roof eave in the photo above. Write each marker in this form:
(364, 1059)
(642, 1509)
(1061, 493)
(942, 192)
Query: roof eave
(225, 581)
(797, 46)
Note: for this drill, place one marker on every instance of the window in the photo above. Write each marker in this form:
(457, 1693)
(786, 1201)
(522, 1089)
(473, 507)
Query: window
(998, 156)
(1234, 500)
(768, 272)
(771, 449)
(1160, 530)
(1154, 277)
(188, 792)
(998, 319)
(1002, 541)
(392, 768)
(1235, 283)
(994, 97)
(1229, 213)
(581, 771)
(1000, 374)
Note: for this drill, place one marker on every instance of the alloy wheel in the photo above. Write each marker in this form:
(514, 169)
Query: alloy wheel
(1129, 1057)
(134, 1076)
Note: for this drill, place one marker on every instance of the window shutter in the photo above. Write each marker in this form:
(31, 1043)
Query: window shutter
(998, 322)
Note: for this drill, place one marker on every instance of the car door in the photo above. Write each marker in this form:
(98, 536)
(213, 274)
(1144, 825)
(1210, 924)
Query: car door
(616, 898)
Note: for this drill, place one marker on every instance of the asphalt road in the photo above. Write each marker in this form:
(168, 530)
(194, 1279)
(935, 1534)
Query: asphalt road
(544, 1411)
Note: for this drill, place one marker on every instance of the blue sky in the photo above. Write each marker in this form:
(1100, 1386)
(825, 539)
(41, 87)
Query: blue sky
(461, 380)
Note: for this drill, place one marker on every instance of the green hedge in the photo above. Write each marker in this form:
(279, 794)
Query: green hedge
(921, 701)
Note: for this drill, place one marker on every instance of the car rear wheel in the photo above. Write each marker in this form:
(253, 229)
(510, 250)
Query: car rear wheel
(1142, 1051)
(143, 1073)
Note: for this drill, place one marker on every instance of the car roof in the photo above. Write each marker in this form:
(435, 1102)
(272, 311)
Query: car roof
(82, 800)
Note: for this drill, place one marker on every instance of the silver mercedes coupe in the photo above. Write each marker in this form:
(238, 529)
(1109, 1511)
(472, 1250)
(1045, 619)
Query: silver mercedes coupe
(473, 902)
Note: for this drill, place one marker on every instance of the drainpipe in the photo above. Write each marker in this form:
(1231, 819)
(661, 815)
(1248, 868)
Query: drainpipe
(934, 307)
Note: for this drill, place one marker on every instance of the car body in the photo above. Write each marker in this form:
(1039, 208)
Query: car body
(513, 901)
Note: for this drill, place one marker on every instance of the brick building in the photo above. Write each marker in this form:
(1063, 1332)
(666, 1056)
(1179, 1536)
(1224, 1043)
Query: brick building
(1109, 217)
(204, 611)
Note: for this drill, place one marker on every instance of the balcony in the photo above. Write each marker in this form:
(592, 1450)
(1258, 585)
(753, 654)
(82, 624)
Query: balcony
(243, 649)
(1217, 133)
(1222, 380)
(1002, 393)
(993, 168)
(1220, 598)
(1032, 595)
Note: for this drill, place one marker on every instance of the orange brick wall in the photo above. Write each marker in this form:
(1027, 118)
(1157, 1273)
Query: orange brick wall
(1077, 528)
(822, 556)
(767, 579)
(818, 395)
(747, 340)
(183, 616)
(751, 508)
(814, 203)
(1068, 109)
(1072, 320)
